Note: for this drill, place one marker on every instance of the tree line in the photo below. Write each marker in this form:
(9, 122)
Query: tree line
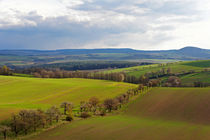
(4, 70)
(117, 76)
(80, 74)
(151, 79)
(81, 65)
(93, 106)
(26, 121)
(91, 65)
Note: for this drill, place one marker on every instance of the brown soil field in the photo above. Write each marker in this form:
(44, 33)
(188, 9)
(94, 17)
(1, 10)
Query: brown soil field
(181, 104)
(162, 114)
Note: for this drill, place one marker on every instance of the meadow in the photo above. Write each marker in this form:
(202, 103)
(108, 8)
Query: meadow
(161, 114)
(32, 93)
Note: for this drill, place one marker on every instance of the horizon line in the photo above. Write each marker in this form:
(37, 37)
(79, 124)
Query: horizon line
(96, 49)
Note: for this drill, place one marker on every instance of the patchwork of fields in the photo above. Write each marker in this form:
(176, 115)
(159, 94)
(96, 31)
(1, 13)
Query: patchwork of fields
(25, 93)
(162, 114)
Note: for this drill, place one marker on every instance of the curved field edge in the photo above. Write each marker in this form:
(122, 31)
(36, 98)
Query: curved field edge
(139, 122)
(31, 93)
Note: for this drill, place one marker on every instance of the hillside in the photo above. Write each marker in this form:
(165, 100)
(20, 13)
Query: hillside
(188, 71)
(177, 104)
(162, 114)
(19, 92)
(190, 78)
(175, 67)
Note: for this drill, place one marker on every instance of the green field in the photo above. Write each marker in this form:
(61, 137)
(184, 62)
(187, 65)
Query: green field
(205, 63)
(190, 78)
(24, 93)
(175, 67)
(161, 114)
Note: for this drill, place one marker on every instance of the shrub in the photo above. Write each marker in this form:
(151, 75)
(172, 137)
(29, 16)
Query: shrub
(94, 101)
(100, 113)
(69, 118)
(85, 115)
(174, 81)
(4, 130)
(110, 104)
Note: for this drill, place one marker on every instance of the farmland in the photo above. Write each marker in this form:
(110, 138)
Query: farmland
(203, 76)
(162, 114)
(104, 70)
(175, 67)
(28, 93)
(189, 72)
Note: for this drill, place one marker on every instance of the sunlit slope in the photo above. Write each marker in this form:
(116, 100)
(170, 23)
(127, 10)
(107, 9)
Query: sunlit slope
(20, 92)
(176, 67)
(190, 78)
(162, 114)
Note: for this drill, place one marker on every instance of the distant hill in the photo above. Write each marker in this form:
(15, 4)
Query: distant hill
(65, 51)
(195, 52)
(50, 56)
(186, 50)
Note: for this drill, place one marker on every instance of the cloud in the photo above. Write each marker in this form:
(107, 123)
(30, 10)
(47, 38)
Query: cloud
(139, 24)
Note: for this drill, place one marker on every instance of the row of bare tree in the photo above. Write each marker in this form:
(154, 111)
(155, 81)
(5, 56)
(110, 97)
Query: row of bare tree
(97, 108)
(26, 121)
(80, 74)
(172, 81)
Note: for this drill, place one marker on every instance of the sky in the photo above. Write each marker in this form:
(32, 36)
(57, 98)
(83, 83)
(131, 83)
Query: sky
(74, 24)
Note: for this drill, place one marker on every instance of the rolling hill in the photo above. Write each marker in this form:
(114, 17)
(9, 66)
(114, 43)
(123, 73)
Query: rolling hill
(161, 114)
(30, 57)
(27, 93)
(188, 71)
(175, 67)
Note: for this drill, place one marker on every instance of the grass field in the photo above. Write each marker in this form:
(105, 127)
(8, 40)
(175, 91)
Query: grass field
(162, 114)
(24, 93)
(190, 78)
(175, 67)
(204, 63)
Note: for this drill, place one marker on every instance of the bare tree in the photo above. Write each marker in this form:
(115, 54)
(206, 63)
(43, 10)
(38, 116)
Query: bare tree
(66, 106)
(53, 113)
(174, 81)
(110, 104)
(4, 130)
(94, 101)
(16, 124)
(42, 117)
